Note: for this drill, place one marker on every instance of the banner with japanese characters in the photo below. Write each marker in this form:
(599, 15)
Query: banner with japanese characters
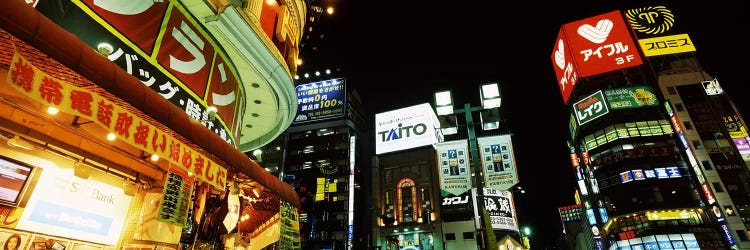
(500, 208)
(453, 164)
(321, 100)
(120, 120)
(498, 162)
(176, 201)
(289, 236)
(590, 108)
(161, 44)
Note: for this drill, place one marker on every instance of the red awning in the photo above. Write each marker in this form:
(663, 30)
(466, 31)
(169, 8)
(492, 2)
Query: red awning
(27, 24)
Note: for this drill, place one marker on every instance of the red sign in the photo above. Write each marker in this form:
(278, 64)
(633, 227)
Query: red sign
(707, 192)
(565, 69)
(223, 91)
(140, 23)
(186, 52)
(601, 44)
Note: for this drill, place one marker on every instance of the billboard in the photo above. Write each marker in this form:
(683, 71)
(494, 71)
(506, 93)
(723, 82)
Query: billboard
(631, 97)
(453, 162)
(321, 100)
(590, 108)
(166, 48)
(565, 69)
(601, 44)
(498, 162)
(666, 45)
(406, 128)
(500, 208)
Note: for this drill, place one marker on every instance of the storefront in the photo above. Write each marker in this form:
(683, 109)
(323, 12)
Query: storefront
(90, 158)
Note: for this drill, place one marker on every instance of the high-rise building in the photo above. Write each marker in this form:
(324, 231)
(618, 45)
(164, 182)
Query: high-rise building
(656, 146)
(325, 161)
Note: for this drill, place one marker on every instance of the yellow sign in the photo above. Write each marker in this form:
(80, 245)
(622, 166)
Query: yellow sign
(666, 45)
(128, 127)
(668, 215)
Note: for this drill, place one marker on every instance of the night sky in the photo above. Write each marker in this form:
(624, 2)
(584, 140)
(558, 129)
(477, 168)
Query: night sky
(398, 53)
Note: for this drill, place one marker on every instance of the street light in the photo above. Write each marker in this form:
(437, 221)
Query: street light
(491, 100)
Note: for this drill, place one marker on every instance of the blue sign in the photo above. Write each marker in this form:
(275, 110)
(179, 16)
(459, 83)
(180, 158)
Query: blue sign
(603, 214)
(591, 216)
(321, 100)
(70, 218)
(673, 172)
(650, 173)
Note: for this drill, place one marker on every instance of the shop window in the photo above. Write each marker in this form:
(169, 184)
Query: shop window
(706, 165)
(468, 235)
(679, 107)
(450, 236)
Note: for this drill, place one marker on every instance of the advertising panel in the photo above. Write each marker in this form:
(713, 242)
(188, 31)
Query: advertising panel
(406, 128)
(120, 120)
(661, 241)
(565, 69)
(590, 108)
(631, 97)
(498, 161)
(651, 20)
(321, 100)
(176, 199)
(453, 165)
(72, 207)
(289, 236)
(500, 208)
(162, 45)
(601, 44)
(666, 45)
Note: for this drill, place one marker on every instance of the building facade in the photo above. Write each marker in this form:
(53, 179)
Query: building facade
(646, 172)
(121, 126)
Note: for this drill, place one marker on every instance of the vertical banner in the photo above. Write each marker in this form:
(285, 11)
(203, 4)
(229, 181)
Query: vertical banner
(176, 199)
(499, 166)
(500, 208)
(454, 167)
(289, 237)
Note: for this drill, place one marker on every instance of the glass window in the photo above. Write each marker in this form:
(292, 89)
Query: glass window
(742, 234)
(687, 125)
(622, 131)
(697, 144)
(717, 187)
(666, 127)
(671, 90)
(679, 107)
(590, 142)
(450, 236)
(643, 128)
(611, 133)
(468, 235)
(632, 129)
(654, 127)
(706, 165)
(600, 139)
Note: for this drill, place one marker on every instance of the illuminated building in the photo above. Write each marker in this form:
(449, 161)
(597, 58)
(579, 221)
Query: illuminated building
(92, 91)
(324, 160)
(656, 147)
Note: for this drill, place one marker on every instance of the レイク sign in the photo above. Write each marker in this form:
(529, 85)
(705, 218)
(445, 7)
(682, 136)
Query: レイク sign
(406, 128)
(590, 108)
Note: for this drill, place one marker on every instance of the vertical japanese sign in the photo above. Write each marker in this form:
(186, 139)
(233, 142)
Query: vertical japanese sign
(127, 126)
(289, 232)
(601, 44)
(500, 208)
(176, 200)
(321, 100)
(565, 69)
(590, 108)
(159, 43)
(499, 166)
(453, 164)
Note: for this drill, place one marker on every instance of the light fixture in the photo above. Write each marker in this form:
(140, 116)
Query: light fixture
(296, 77)
(329, 10)
(444, 102)
(81, 170)
(105, 49)
(448, 124)
(490, 119)
(258, 155)
(52, 110)
(299, 61)
(111, 136)
(19, 142)
(328, 71)
(307, 75)
(154, 157)
(490, 94)
(270, 2)
(317, 73)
